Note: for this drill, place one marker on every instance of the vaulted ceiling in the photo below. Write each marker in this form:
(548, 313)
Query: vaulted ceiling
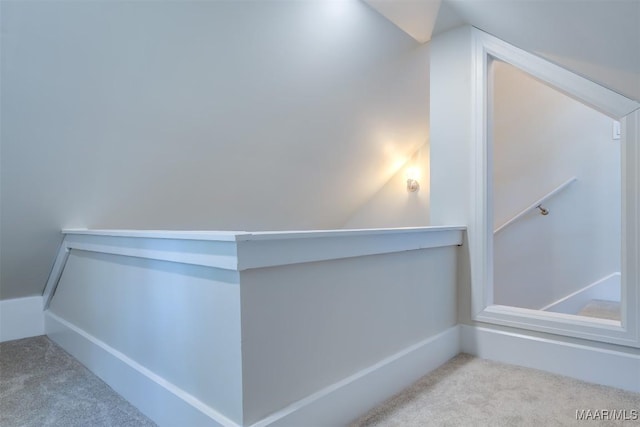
(597, 39)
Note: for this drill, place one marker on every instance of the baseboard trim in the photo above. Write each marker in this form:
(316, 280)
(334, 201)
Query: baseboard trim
(21, 318)
(157, 398)
(351, 397)
(347, 399)
(595, 365)
(337, 404)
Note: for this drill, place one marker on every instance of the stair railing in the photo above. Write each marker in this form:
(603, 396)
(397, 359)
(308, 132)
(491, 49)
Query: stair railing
(536, 205)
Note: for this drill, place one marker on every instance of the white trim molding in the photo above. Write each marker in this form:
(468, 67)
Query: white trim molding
(241, 250)
(486, 48)
(270, 249)
(337, 404)
(580, 88)
(587, 363)
(344, 401)
(214, 299)
(21, 318)
(156, 397)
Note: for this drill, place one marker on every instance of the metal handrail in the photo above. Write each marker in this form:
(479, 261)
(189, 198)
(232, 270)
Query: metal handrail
(536, 205)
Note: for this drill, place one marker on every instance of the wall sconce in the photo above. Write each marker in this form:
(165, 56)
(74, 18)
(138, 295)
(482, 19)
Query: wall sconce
(412, 179)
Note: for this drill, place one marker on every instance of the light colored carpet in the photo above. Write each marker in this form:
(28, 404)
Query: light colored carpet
(601, 309)
(41, 385)
(472, 392)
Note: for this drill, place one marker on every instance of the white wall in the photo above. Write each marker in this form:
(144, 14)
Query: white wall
(393, 205)
(307, 326)
(596, 39)
(542, 138)
(196, 115)
(451, 106)
(155, 315)
(21, 318)
(179, 321)
(258, 329)
(450, 129)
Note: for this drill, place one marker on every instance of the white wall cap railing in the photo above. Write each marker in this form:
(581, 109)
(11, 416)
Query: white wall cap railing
(223, 236)
(237, 251)
(231, 236)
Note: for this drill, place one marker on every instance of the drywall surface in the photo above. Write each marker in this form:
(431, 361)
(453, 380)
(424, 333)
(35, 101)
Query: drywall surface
(451, 105)
(196, 115)
(415, 18)
(393, 205)
(307, 326)
(181, 322)
(257, 329)
(450, 128)
(596, 39)
(542, 138)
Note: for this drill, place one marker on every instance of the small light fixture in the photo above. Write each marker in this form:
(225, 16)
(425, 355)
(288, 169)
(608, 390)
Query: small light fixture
(412, 179)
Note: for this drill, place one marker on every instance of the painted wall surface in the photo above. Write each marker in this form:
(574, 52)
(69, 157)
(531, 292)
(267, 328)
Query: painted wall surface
(181, 322)
(269, 334)
(21, 318)
(450, 129)
(596, 39)
(307, 326)
(451, 105)
(393, 205)
(196, 115)
(542, 138)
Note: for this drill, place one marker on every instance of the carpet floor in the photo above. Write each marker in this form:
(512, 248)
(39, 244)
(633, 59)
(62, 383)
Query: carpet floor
(41, 385)
(468, 391)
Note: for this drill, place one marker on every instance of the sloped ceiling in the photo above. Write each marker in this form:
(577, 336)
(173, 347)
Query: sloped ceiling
(597, 39)
(416, 18)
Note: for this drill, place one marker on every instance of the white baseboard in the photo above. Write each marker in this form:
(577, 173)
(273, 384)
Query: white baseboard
(154, 396)
(608, 288)
(601, 366)
(337, 404)
(349, 398)
(345, 400)
(21, 318)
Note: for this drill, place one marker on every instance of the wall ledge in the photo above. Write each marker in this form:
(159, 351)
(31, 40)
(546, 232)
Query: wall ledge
(255, 235)
(271, 249)
(241, 250)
